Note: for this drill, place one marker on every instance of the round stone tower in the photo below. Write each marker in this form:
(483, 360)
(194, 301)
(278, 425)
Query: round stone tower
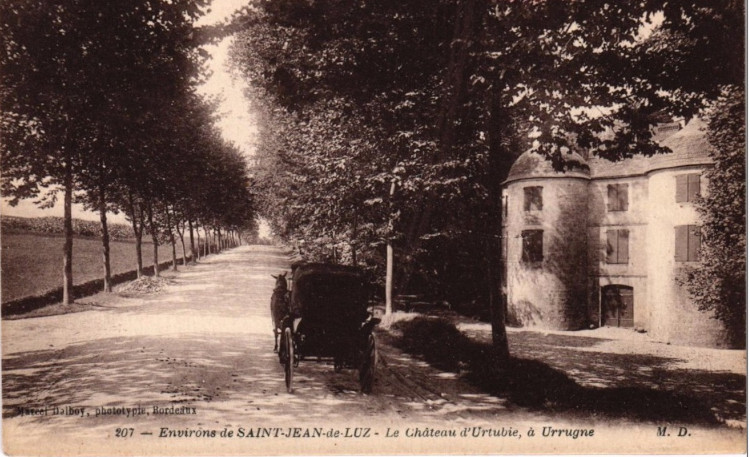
(545, 242)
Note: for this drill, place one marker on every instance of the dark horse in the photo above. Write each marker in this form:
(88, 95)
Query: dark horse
(279, 307)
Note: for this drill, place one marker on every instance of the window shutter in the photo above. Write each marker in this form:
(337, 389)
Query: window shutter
(537, 253)
(681, 243)
(611, 246)
(540, 199)
(526, 246)
(693, 187)
(538, 204)
(623, 243)
(526, 198)
(623, 197)
(694, 243)
(611, 197)
(681, 187)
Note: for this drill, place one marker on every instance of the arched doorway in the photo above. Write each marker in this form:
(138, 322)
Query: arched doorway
(617, 306)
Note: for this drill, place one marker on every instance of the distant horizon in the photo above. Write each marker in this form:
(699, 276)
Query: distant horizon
(27, 208)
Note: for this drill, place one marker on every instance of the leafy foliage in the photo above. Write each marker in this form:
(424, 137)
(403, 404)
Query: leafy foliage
(719, 284)
(98, 99)
(440, 101)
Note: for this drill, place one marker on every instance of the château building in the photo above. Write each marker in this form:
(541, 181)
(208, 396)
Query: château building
(603, 243)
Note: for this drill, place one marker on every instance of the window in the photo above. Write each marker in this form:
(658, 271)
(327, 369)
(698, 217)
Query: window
(505, 206)
(688, 187)
(617, 246)
(687, 243)
(532, 246)
(532, 198)
(617, 197)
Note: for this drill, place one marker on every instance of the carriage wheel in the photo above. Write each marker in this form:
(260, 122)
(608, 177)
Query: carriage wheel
(289, 362)
(367, 369)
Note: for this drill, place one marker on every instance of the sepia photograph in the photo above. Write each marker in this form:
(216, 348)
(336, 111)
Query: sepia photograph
(373, 227)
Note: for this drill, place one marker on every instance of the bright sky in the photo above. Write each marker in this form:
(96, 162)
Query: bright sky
(236, 121)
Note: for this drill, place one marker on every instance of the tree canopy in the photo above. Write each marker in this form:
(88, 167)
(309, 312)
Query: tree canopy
(440, 100)
(98, 100)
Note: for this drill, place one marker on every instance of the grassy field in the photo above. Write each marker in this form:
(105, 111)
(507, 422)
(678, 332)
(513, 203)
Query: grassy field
(32, 264)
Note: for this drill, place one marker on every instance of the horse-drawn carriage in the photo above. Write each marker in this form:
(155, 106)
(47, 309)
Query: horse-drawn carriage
(326, 317)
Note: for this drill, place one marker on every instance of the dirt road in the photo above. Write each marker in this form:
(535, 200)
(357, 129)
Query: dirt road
(177, 371)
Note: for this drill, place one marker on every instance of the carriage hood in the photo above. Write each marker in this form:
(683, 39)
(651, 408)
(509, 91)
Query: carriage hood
(329, 290)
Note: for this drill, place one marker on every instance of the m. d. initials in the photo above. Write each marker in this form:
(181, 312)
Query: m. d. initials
(681, 433)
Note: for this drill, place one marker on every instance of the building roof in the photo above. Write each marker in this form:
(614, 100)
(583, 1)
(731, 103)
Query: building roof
(689, 146)
(531, 164)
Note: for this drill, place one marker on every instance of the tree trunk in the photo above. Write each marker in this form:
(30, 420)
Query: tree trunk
(206, 242)
(68, 230)
(105, 239)
(138, 232)
(154, 238)
(192, 242)
(199, 246)
(174, 251)
(499, 162)
(181, 231)
(388, 278)
(184, 251)
(171, 238)
(201, 243)
(389, 255)
(218, 238)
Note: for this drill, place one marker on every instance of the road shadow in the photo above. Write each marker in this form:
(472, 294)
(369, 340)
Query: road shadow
(587, 383)
(229, 379)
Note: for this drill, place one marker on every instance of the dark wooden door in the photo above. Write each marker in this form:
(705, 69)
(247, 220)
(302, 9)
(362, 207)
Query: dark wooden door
(617, 306)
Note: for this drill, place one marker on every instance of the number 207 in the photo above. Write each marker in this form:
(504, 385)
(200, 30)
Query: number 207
(124, 432)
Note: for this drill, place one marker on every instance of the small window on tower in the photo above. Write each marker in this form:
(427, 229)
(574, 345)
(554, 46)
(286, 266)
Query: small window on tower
(532, 198)
(533, 246)
(617, 197)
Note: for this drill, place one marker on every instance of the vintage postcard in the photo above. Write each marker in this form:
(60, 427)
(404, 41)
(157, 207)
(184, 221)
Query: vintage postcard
(311, 227)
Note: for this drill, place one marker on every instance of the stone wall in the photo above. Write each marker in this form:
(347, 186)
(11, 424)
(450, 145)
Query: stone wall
(674, 317)
(552, 293)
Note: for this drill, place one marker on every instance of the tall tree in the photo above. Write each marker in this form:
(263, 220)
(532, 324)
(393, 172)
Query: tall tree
(719, 284)
(75, 74)
(451, 94)
(44, 105)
